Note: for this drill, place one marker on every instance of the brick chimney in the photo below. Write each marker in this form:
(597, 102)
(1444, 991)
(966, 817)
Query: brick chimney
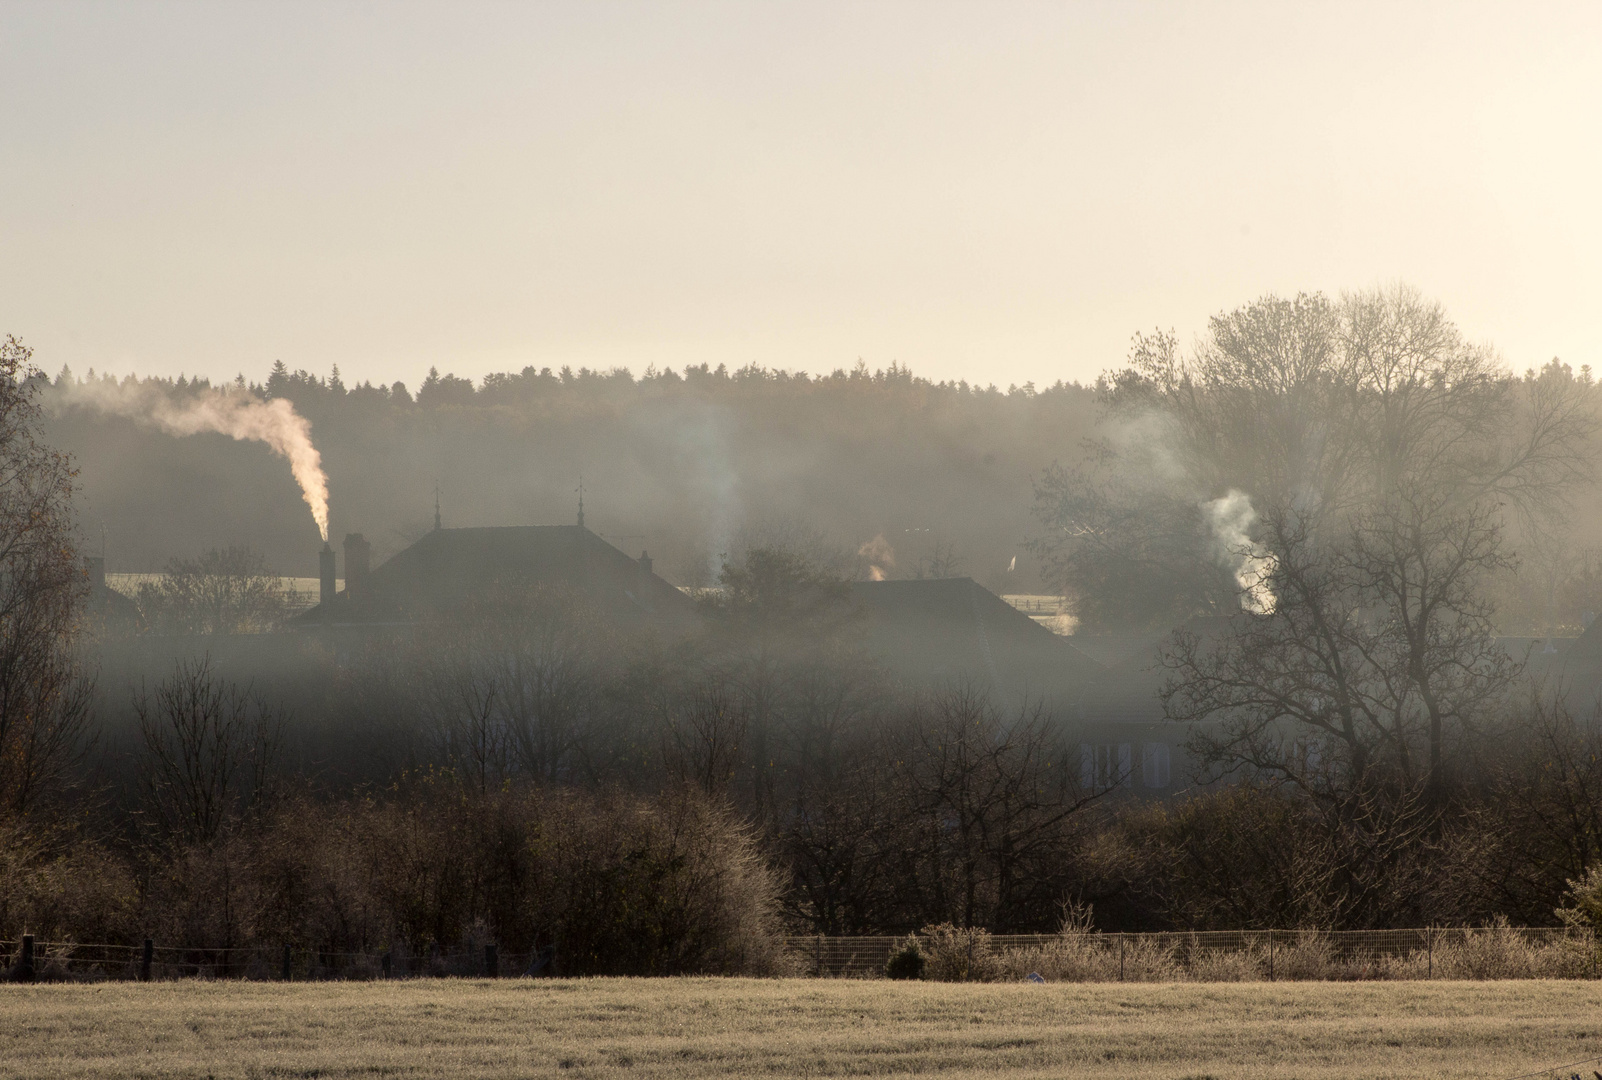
(358, 559)
(645, 565)
(325, 576)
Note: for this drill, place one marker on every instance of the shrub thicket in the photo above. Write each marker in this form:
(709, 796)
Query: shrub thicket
(614, 883)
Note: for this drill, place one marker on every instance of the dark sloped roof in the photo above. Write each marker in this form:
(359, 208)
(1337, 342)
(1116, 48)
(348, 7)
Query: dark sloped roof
(947, 629)
(448, 565)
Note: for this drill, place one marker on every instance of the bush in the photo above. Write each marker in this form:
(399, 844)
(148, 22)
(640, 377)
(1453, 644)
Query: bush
(1081, 955)
(906, 961)
(958, 954)
(615, 884)
(1226, 965)
(1583, 909)
(1500, 951)
(60, 887)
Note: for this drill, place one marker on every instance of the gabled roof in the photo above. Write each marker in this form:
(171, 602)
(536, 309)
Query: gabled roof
(449, 565)
(944, 629)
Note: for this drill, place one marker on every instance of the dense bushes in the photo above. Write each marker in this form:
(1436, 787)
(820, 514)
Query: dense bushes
(616, 884)
(57, 885)
(1497, 951)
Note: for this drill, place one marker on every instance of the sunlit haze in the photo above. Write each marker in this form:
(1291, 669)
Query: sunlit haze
(991, 192)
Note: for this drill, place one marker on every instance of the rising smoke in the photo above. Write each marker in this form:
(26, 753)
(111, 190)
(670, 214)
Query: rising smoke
(880, 555)
(236, 413)
(1232, 518)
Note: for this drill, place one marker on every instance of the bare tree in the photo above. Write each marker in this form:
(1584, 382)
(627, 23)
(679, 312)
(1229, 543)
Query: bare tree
(991, 802)
(209, 751)
(225, 591)
(1265, 405)
(510, 684)
(43, 696)
(1543, 806)
(1353, 466)
(703, 735)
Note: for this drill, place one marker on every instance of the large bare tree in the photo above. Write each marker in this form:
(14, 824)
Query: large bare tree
(44, 698)
(1366, 650)
(1352, 467)
(209, 750)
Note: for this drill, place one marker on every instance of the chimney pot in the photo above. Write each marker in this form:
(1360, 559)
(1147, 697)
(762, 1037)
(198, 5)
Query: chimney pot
(358, 560)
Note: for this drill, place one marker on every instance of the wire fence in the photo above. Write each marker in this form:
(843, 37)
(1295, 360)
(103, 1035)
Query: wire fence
(1232, 955)
(29, 960)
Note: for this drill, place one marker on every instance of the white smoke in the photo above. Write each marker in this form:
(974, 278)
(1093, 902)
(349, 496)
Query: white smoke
(228, 411)
(1232, 518)
(881, 557)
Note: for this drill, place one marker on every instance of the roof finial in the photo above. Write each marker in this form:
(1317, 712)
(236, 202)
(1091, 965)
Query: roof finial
(436, 508)
(581, 500)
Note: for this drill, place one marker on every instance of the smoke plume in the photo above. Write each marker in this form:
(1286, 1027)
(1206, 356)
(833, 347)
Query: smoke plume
(1232, 518)
(880, 555)
(232, 412)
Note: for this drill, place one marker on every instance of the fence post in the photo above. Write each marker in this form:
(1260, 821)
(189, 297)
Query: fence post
(386, 961)
(1270, 955)
(1121, 957)
(25, 964)
(492, 962)
(817, 956)
(287, 958)
(1429, 952)
(144, 960)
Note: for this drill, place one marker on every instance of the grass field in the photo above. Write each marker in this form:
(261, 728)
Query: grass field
(796, 1028)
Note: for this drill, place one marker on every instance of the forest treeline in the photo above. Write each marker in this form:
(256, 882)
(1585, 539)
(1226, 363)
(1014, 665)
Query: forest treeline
(1327, 500)
(689, 465)
(858, 468)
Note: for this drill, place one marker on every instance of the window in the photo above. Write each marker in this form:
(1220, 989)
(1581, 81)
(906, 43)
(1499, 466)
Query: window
(1155, 768)
(1104, 765)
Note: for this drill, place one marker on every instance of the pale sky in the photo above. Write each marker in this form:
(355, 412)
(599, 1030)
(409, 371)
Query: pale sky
(989, 191)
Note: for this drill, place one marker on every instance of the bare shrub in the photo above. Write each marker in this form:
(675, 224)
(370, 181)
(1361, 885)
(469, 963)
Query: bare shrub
(1226, 965)
(1310, 955)
(958, 954)
(62, 887)
(1079, 953)
(1501, 951)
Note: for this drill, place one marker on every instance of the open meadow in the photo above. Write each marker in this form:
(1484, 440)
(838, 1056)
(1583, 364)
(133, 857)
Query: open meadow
(641, 1028)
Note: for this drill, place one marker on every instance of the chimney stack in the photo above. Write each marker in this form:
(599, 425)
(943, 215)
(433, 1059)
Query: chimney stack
(358, 557)
(325, 576)
(645, 565)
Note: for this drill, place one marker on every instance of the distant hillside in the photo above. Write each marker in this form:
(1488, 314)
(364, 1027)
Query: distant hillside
(683, 464)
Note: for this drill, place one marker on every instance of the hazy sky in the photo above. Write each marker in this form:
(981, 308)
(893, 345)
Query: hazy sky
(990, 191)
